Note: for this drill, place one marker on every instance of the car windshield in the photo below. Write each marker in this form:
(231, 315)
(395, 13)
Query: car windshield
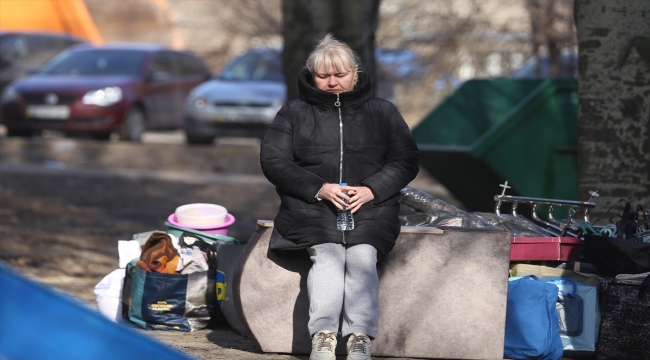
(96, 62)
(258, 66)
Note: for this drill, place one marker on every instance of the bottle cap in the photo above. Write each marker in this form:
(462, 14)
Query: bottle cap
(343, 184)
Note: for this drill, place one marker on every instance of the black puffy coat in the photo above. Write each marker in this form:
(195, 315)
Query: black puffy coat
(301, 151)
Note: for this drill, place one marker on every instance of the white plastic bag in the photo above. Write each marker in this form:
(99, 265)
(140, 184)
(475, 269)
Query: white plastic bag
(127, 251)
(108, 294)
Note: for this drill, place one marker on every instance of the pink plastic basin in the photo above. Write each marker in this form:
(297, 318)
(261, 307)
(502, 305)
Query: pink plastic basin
(221, 229)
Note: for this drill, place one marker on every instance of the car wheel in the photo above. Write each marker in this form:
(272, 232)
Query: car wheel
(198, 139)
(19, 132)
(134, 125)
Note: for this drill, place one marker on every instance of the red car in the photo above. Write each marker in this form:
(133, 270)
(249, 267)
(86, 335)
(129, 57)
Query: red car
(124, 88)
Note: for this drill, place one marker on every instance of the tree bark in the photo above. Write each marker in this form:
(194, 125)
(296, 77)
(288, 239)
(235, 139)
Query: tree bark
(614, 100)
(307, 21)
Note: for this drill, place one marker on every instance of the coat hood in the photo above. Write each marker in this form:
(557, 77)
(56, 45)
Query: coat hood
(308, 91)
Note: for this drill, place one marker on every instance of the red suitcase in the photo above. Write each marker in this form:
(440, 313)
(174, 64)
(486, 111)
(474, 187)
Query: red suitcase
(545, 249)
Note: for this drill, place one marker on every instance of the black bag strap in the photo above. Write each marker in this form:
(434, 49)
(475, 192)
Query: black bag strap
(607, 212)
(625, 217)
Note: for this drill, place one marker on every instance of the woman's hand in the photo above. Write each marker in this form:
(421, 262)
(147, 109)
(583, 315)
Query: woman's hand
(334, 194)
(357, 196)
(362, 195)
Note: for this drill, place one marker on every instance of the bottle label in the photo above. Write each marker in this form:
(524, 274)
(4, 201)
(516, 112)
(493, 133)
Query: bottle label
(344, 219)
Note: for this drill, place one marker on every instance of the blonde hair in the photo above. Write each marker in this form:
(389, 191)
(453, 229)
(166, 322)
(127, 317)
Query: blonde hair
(332, 53)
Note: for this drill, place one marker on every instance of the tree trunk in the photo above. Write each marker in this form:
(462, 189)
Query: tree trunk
(614, 100)
(307, 21)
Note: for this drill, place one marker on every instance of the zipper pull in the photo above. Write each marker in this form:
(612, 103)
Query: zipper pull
(337, 103)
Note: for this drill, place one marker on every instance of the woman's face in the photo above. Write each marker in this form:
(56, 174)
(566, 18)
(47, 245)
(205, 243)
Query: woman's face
(333, 81)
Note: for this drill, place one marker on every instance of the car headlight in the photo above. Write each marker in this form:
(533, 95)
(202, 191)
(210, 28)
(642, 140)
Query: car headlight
(9, 94)
(200, 102)
(103, 97)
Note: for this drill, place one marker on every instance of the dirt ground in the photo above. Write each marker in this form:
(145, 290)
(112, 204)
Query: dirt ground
(64, 203)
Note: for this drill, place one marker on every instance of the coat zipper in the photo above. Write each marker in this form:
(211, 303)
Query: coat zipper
(338, 106)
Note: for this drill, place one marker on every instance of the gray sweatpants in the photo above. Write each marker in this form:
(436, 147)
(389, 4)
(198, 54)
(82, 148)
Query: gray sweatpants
(343, 280)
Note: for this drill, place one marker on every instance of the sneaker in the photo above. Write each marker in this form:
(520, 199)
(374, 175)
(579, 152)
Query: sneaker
(358, 347)
(323, 345)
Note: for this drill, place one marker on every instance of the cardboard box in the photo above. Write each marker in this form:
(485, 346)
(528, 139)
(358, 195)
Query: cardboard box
(545, 249)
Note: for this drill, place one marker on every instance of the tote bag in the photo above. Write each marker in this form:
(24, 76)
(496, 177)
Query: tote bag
(183, 302)
(625, 331)
(613, 256)
(532, 330)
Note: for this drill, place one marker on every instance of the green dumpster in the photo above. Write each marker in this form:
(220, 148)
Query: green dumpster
(490, 131)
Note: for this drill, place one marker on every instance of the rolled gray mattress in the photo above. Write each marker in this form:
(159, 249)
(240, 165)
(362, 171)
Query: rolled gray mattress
(442, 295)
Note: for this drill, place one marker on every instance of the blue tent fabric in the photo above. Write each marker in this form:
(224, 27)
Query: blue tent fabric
(39, 323)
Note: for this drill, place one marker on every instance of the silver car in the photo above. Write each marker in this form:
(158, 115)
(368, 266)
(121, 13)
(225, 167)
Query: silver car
(241, 101)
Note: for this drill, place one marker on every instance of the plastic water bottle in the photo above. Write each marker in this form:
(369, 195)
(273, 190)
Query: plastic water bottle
(344, 219)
